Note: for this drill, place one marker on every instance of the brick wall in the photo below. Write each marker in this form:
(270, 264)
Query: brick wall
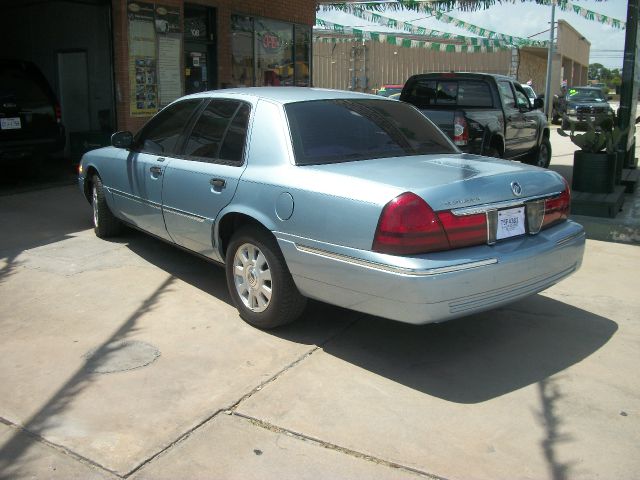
(293, 11)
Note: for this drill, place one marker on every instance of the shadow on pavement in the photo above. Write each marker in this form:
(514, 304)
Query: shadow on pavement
(476, 358)
(468, 360)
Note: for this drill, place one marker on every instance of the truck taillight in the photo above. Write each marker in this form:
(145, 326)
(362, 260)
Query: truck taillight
(557, 209)
(58, 113)
(460, 129)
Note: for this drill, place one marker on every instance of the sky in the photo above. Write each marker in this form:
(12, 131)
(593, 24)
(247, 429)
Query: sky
(521, 19)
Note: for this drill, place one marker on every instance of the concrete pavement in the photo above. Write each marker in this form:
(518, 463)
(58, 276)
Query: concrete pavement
(125, 359)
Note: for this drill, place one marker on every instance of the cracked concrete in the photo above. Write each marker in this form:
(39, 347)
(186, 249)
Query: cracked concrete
(542, 388)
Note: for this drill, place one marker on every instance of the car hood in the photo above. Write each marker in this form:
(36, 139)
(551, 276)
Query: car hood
(444, 181)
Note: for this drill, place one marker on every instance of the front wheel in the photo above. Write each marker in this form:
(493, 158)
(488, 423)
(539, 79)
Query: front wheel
(105, 224)
(541, 156)
(259, 281)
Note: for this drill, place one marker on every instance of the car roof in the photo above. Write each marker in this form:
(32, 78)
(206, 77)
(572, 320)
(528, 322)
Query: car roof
(284, 95)
(462, 75)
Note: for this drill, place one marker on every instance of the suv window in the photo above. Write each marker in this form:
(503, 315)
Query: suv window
(332, 131)
(18, 86)
(161, 134)
(464, 93)
(507, 94)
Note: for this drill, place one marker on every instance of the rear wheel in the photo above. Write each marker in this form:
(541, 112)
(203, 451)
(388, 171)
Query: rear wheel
(105, 224)
(259, 281)
(541, 156)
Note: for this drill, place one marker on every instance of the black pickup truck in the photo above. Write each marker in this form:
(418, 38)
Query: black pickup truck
(483, 114)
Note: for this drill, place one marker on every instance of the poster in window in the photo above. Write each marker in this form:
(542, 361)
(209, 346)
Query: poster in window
(142, 59)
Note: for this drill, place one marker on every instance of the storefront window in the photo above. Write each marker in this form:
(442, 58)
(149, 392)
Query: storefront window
(303, 53)
(272, 50)
(242, 51)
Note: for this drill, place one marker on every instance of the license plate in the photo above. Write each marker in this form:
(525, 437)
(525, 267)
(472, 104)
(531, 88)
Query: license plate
(10, 123)
(510, 223)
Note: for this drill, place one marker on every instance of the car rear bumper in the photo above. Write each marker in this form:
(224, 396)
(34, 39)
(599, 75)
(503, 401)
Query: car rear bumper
(435, 287)
(16, 149)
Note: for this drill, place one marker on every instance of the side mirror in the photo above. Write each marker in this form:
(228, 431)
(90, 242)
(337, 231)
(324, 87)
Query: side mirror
(538, 103)
(122, 139)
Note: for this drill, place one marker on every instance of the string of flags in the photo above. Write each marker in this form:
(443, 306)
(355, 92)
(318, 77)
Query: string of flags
(355, 34)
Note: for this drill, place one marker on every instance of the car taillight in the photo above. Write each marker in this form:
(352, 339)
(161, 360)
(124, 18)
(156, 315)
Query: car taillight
(58, 111)
(557, 209)
(408, 225)
(460, 129)
(465, 230)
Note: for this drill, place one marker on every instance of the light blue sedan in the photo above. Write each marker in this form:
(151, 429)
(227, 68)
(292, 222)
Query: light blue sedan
(347, 198)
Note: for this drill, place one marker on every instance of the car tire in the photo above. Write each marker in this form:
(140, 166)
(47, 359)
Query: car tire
(105, 224)
(541, 156)
(259, 281)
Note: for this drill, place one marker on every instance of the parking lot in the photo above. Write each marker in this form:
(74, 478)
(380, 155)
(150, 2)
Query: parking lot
(125, 358)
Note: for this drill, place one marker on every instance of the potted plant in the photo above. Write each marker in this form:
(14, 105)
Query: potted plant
(595, 166)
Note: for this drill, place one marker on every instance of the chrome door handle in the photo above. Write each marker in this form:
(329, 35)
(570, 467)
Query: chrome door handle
(160, 159)
(156, 170)
(218, 182)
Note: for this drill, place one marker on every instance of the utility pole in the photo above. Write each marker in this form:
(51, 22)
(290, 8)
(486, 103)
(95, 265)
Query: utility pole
(548, 100)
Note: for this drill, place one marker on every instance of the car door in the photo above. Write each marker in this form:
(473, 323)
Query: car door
(138, 195)
(513, 119)
(204, 179)
(529, 132)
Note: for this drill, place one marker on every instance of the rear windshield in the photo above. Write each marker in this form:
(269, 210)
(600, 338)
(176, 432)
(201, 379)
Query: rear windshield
(18, 86)
(332, 131)
(425, 93)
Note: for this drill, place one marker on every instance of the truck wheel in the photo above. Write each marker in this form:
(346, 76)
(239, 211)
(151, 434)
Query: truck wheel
(541, 156)
(259, 281)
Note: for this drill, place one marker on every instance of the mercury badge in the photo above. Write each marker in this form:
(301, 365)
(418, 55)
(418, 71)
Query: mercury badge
(516, 189)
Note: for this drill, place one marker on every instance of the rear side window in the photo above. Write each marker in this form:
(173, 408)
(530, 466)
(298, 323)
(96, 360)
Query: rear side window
(463, 93)
(160, 136)
(507, 94)
(332, 131)
(219, 133)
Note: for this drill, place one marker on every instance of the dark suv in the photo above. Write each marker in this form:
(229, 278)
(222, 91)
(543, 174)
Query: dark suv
(30, 124)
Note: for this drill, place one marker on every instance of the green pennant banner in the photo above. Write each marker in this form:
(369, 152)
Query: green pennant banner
(409, 27)
(331, 29)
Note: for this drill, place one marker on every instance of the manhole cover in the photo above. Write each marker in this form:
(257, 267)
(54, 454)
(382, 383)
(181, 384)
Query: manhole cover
(120, 356)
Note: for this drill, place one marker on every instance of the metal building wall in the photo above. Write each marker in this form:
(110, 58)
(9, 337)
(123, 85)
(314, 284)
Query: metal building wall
(334, 64)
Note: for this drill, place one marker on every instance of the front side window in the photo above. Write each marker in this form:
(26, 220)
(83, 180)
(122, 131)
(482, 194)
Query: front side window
(332, 131)
(160, 136)
(219, 133)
